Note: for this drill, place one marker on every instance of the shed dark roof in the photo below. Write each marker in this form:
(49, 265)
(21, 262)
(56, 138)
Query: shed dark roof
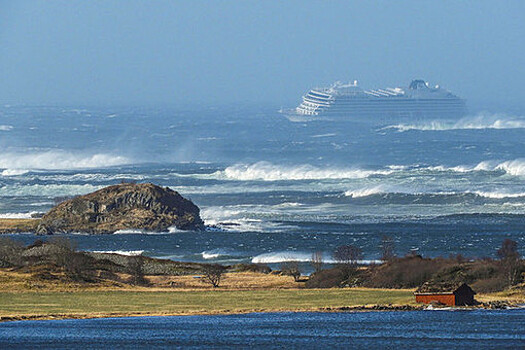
(440, 287)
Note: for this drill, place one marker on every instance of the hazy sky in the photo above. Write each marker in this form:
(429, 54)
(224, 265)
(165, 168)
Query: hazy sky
(213, 52)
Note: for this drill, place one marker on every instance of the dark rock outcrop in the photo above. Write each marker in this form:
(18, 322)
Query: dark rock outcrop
(119, 207)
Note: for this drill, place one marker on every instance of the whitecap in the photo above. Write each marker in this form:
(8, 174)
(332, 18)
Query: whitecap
(266, 171)
(14, 172)
(121, 252)
(285, 256)
(365, 192)
(18, 215)
(59, 159)
(481, 121)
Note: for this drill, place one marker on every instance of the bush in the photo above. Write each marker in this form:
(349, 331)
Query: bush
(136, 271)
(291, 268)
(407, 272)
(10, 252)
(328, 278)
(346, 257)
(212, 274)
(76, 265)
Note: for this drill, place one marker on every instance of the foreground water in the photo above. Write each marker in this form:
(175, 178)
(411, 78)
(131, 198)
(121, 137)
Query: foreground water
(479, 329)
(272, 189)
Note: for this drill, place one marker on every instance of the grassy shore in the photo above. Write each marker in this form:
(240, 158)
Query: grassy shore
(92, 304)
(18, 225)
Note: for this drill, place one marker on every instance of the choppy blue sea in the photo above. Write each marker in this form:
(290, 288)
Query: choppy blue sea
(479, 329)
(274, 189)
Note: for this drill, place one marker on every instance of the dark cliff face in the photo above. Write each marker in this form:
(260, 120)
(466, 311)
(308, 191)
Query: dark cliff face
(119, 207)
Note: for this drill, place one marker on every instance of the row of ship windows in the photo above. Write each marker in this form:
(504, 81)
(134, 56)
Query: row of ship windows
(380, 109)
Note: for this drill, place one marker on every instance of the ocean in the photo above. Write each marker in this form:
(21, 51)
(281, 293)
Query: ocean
(479, 329)
(270, 189)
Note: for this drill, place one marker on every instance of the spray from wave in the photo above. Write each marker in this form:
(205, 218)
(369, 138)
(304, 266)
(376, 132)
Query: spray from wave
(481, 121)
(265, 171)
(365, 192)
(279, 257)
(514, 167)
(58, 160)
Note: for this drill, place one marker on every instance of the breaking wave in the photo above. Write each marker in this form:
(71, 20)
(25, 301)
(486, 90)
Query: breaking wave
(18, 215)
(14, 172)
(279, 257)
(57, 160)
(481, 121)
(399, 195)
(220, 253)
(365, 192)
(121, 252)
(6, 128)
(514, 167)
(47, 190)
(266, 171)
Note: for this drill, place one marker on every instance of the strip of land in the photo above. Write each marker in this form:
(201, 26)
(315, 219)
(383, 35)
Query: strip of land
(47, 280)
(94, 304)
(18, 225)
(20, 300)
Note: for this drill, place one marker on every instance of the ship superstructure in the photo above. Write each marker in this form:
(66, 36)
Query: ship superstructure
(349, 102)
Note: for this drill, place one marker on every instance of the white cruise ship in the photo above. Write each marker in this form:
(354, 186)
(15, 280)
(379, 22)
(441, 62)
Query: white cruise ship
(349, 102)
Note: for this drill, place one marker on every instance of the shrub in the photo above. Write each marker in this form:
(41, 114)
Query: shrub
(10, 252)
(212, 274)
(328, 278)
(347, 256)
(136, 271)
(291, 268)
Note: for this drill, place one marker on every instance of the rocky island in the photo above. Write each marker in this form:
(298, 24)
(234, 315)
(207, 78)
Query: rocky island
(118, 207)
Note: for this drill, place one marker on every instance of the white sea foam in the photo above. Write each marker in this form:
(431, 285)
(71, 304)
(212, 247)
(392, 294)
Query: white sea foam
(284, 256)
(14, 172)
(499, 195)
(370, 191)
(6, 127)
(209, 256)
(51, 190)
(129, 231)
(17, 215)
(480, 121)
(266, 171)
(365, 192)
(59, 159)
(121, 252)
(514, 167)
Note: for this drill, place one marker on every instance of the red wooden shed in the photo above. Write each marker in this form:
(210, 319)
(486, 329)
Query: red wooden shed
(451, 294)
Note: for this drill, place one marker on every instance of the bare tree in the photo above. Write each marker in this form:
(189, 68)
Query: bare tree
(347, 256)
(387, 248)
(317, 261)
(510, 260)
(291, 268)
(213, 274)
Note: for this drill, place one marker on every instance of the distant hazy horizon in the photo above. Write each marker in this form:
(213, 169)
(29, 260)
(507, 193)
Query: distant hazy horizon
(217, 53)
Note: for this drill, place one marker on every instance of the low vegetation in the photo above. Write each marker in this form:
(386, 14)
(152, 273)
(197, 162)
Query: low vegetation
(127, 303)
(54, 279)
(483, 275)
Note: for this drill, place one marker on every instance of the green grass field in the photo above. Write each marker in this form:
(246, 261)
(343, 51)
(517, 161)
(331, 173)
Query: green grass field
(122, 303)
